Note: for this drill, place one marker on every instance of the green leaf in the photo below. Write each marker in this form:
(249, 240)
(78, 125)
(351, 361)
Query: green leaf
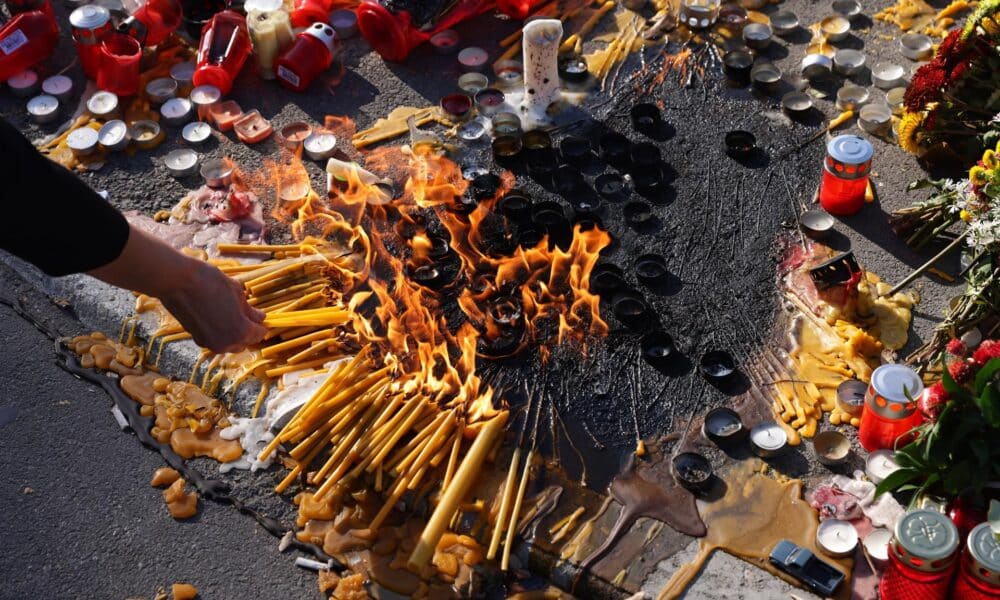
(896, 479)
(989, 405)
(923, 184)
(986, 374)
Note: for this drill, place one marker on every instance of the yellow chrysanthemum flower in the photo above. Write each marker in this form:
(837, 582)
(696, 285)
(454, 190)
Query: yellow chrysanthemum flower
(909, 132)
(965, 215)
(990, 159)
(978, 175)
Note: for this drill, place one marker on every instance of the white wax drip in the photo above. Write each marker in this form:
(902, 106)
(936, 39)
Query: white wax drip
(541, 70)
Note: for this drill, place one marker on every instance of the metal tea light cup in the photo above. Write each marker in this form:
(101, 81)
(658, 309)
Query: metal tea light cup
(658, 348)
(757, 36)
(875, 118)
(848, 61)
(740, 144)
(768, 440)
(737, 65)
(489, 101)
(816, 223)
(693, 471)
(846, 8)
(113, 136)
(916, 46)
(766, 77)
(816, 66)
(832, 448)
(852, 97)
(217, 173)
(796, 104)
(886, 76)
(575, 150)
(43, 109)
(506, 123)
(611, 186)
(723, 425)
(471, 83)
(784, 22)
(835, 27)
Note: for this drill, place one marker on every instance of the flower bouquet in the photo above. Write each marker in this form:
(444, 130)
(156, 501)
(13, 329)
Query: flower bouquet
(951, 106)
(960, 212)
(954, 452)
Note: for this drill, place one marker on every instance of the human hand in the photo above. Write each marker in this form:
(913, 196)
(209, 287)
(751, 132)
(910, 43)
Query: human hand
(213, 309)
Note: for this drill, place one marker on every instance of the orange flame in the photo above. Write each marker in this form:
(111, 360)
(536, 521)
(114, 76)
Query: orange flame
(540, 294)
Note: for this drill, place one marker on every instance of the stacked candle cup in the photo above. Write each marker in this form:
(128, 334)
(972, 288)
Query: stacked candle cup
(118, 70)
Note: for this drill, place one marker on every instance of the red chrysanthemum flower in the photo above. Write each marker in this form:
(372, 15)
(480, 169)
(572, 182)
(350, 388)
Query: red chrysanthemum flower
(932, 401)
(957, 347)
(957, 73)
(987, 350)
(951, 47)
(961, 371)
(925, 88)
(931, 120)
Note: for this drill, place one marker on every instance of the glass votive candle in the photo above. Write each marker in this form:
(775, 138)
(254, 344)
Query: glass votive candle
(118, 68)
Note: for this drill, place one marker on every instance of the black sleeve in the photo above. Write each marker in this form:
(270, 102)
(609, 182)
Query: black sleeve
(52, 219)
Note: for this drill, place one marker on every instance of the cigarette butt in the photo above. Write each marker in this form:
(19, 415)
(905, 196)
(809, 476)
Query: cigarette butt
(286, 541)
(946, 276)
(119, 416)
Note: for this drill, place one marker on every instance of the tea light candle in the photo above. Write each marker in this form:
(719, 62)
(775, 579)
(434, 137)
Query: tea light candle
(196, 133)
(320, 145)
(847, 8)
(876, 545)
(471, 131)
(852, 97)
(757, 35)
(252, 128)
(161, 89)
(879, 465)
(471, 83)
(456, 106)
(345, 23)
(59, 86)
(102, 105)
(113, 135)
(217, 173)
(146, 134)
(294, 134)
(489, 101)
(181, 163)
(832, 447)
(875, 118)
(541, 59)
(693, 471)
(506, 123)
(183, 74)
(82, 141)
(225, 114)
(177, 111)
(205, 95)
(510, 73)
(916, 46)
(768, 439)
(851, 396)
(43, 109)
(445, 41)
(24, 84)
(473, 58)
(887, 75)
(722, 424)
(837, 538)
(835, 27)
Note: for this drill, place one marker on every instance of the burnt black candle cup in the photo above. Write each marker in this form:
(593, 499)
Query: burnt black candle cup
(587, 204)
(567, 180)
(573, 68)
(457, 106)
(739, 144)
(429, 276)
(485, 186)
(648, 181)
(614, 148)
(536, 140)
(645, 117)
(440, 247)
(693, 471)
(723, 425)
(507, 148)
(643, 155)
(575, 150)
(630, 308)
(587, 221)
(611, 186)
(638, 214)
(607, 278)
(651, 269)
(516, 206)
(717, 365)
(540, 166)
(657, 348)
(529, 237)
(737, 65)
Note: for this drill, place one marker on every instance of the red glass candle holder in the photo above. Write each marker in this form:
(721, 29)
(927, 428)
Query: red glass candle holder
(119, 66)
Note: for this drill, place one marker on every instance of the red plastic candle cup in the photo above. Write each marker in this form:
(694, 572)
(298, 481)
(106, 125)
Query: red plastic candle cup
(890, 413)
(90, 24)
(222, 51)
(845, 174)
(153, 21)
(118, 71)
(309, 55)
